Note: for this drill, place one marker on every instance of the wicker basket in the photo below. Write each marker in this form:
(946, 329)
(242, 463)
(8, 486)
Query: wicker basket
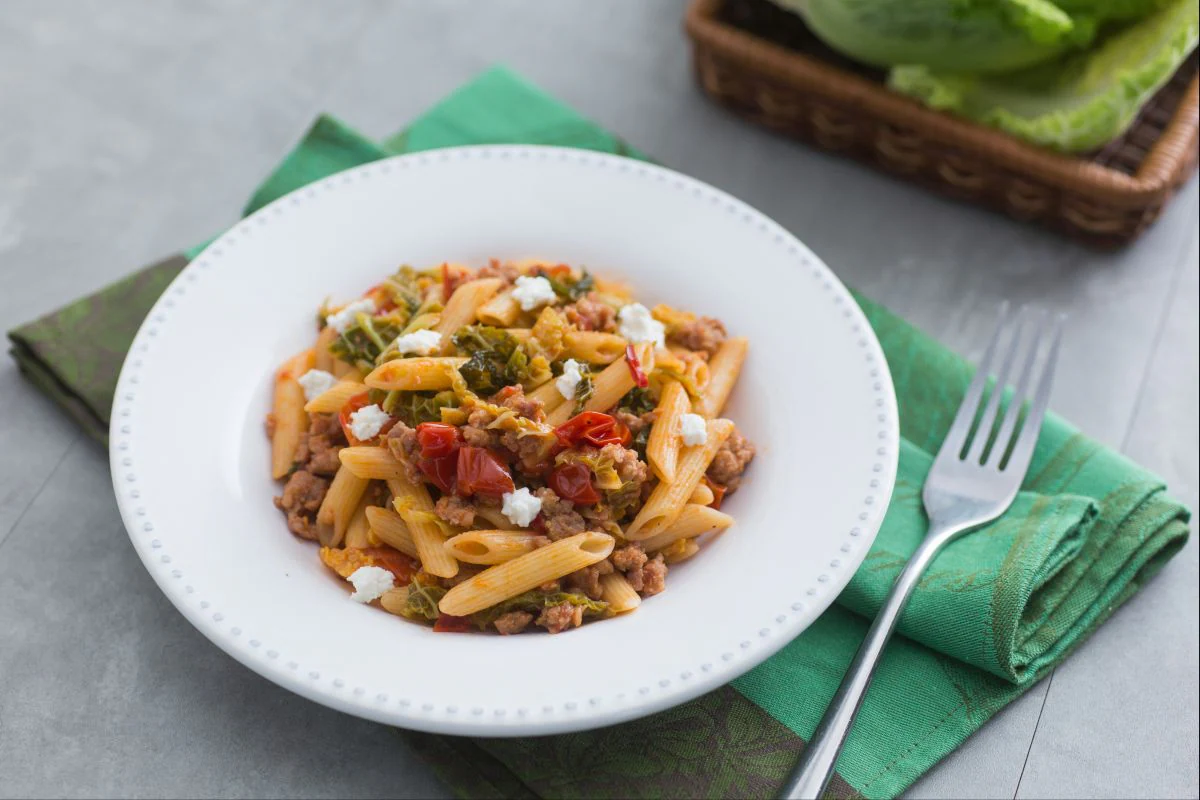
(764, 64)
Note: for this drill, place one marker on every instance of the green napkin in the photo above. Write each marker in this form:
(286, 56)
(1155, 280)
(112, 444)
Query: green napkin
(997, 610)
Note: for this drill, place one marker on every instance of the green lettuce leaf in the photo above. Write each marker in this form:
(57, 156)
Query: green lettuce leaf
(960, 35)
(1078, 102)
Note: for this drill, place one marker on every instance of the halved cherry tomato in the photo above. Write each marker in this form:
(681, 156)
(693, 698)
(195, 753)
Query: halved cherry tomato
(394, 562)
(556, 270)
(448, 624)
(482, 471)
(635, 367)
(594, 428)
(352, 405)
(443, 472)
(718, 491)
(573, 481)
(437, 440)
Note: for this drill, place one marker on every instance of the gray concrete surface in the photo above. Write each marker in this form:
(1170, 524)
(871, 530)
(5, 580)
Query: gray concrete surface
(128, 129)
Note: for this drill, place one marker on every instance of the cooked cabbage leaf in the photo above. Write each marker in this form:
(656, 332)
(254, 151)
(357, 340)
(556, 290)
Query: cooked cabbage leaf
(1075, 103)
(536, 600)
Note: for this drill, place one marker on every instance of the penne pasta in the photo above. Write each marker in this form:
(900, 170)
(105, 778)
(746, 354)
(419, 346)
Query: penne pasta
(723, 370)
(526, 572)
(550, 396)
(343, 497)
(463, 306)
(331, 400)
(616, 591)
(415, 507)
(415, 374)
(662, 448)
(702, 496)
(387, 526)
(694, 520)
(594, 347)
(501, 311)
(667, 500)
(343, 371)
(290, 421)
(492, 547)
(608, 387)
(496, 518)
(369, 461)
(680, 550)
(323, 359)
(358, 532)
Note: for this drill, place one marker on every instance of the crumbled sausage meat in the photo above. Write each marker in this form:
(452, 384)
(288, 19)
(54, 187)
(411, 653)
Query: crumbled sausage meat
(513, 397)
(402, 442)
(629, 467)
(589, 314)
(704, 334)
(302, 496)
(731, 461)
(476, 432)
(513, 622)
(587, 580)
(629, 557)
(317, 450)
(495, 269)
(635, 423)
(559, 516)
(654, 576)
(557, 619)
(455, 510)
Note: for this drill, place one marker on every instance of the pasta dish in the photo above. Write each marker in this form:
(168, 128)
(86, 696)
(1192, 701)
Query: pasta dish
(516, 447)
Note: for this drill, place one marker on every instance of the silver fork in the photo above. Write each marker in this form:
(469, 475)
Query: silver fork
(972, 481)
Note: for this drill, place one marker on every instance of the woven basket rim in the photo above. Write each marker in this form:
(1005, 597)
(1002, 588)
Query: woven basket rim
(1156, 176)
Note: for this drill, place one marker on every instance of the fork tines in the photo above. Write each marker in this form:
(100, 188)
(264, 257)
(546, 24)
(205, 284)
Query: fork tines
(1026, 339)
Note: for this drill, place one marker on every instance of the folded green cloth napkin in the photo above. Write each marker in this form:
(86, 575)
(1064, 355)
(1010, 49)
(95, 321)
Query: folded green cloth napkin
(995, 612)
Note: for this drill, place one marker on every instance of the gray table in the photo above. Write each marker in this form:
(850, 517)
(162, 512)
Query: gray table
(130, 129)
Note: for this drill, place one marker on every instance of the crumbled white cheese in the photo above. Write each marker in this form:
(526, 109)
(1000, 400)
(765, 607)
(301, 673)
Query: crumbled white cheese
(343, 319)
(693, 429)
(370, 583)
(532, 292)
(367, 421)
(568, 383)
(420, 342)
(638, 326)
(315, 383)
(521, 507)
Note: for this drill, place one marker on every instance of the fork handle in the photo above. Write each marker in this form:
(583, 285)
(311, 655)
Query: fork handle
(815, 767)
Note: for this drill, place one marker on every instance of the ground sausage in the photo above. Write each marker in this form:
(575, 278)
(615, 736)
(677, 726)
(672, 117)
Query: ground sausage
(402, 443)
(635, 423)
(587, 580)
(455, 510)
(513, 622)
(557, 619)
(629, 467)
(654, 576)
(559, 516)
(589, 314)
(302, 496)
(513, 397)
(476, 432)
(495, 269)
(317, 450)
(705, 334)
(629, 557)
(731, 461)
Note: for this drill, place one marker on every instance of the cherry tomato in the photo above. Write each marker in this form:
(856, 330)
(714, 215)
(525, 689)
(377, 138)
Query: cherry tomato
(448, 624)
(395, 562)
(635, 367)
(556, 271)
(718, 491)
(352, 405)
(437, 440)
(443, 472)
(573, 481)
(482, 471)
(594, 428)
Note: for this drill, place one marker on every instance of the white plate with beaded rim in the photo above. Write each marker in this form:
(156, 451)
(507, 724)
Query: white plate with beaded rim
(190, 460)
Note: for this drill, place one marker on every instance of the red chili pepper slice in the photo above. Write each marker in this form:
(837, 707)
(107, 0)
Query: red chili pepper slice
(718, 491)
(573, 481)
(594, 428)
(443, 472)
(635, 367)
(482, 471)
(448, 624)
(437, 439)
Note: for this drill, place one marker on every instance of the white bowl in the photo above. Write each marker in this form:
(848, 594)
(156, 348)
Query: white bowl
(190, 458)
